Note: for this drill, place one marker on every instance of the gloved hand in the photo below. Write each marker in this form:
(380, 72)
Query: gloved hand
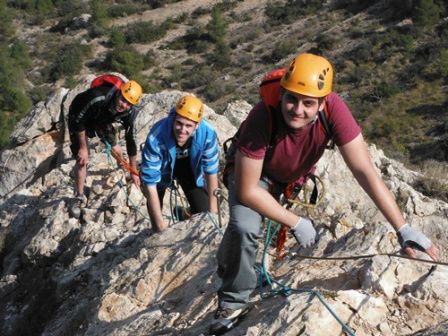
(410, 237)
(304, 232)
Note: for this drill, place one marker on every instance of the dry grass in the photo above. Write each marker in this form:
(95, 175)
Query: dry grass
(434, 182)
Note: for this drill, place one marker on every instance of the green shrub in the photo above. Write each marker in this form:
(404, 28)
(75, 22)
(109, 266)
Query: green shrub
(217, 26)
(126, 61)
(176, 73)
(442, 63)
(442, 30)
(225, 6)
(199, 77)
(72, 8)
(362, 53)
(195, 41)
(39, 93)
(245, 61)
(383, 90)
(282, 49)
(199, 12)
(69, 60)
(43, 7)
(190, 61)
(149, 60)
(245, 34)
(152, 87)
(12, 93)
(325, 41)
(426, 13)
(221, 55)
(217, 89)
(7, 123)
(144, 32)
(99, 13)
(19, 53)
(6, 28)
(278, 13)
(117, 38)
(160, 3)
(123, 10)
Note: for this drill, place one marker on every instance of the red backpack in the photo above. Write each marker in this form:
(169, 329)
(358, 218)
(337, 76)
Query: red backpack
(107, 80)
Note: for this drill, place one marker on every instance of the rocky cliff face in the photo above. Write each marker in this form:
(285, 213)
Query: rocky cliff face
(106, 273)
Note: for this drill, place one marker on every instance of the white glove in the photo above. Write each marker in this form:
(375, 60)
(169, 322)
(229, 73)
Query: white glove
(304, 232)
(410, 237)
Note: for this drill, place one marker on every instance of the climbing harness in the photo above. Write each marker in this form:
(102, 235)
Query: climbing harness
(178, 212)
(290, 198)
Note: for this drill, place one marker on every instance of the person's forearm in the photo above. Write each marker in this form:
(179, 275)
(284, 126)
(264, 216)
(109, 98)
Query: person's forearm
(212, 185)
(133, 161)
(82, 139)
(251, 194)
(264, 203)
(154, 210)
(357, 158)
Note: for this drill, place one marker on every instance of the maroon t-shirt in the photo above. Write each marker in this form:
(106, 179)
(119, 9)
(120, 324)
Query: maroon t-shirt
(296, 151)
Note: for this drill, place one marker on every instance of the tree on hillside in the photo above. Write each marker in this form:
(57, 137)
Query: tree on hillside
(217, 31)
(126, 61)
(99, 13)
(14, 102)
(6, 29)
(427, 13)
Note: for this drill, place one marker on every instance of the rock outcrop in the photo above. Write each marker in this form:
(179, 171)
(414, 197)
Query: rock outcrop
(106, 273)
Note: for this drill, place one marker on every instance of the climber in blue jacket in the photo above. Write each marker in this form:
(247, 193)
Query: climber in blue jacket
(183, 147)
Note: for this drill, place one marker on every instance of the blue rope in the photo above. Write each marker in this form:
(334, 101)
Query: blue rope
(212, 219)
(285, 290)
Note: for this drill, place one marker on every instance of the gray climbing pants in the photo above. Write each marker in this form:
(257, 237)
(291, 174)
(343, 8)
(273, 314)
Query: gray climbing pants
(237, 252)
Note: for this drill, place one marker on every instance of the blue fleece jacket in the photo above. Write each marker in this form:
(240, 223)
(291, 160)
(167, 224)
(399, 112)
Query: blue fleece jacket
(159, 153)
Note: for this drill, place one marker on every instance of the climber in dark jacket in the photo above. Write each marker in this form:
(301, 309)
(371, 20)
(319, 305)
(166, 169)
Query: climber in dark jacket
(92, 113)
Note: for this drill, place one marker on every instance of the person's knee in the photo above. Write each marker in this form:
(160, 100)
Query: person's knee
(245, 226)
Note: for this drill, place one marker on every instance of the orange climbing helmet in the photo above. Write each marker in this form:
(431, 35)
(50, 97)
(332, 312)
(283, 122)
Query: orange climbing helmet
(190, 107)
(309, 75)
(131, 91)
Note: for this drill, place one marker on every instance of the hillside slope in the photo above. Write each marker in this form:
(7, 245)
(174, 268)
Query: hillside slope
(390, 57)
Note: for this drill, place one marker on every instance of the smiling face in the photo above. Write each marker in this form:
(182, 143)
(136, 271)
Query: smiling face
(183, 129)
(299, 110)
(121, 104)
